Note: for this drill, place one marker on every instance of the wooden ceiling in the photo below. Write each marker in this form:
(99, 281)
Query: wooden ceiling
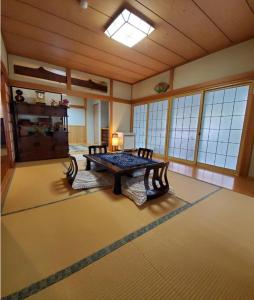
(62, 33)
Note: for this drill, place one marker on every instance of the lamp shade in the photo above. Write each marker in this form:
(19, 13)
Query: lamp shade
(114, 139)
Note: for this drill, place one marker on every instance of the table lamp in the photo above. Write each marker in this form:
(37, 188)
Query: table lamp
(114, 141)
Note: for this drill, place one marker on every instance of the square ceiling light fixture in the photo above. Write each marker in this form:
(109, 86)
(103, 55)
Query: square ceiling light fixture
(128, 29)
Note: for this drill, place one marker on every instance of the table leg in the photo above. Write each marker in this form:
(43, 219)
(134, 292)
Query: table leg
(88, 164)
(117, 184)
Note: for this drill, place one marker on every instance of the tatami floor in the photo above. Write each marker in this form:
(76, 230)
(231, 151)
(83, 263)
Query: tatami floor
(61, 244)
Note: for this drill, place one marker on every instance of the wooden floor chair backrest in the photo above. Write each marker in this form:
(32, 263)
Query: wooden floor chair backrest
(159, 180)
(97, 149)
(72, 170)
(146, 153)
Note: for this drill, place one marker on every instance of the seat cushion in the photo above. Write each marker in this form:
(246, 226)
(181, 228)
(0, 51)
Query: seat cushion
(91, 179)
(137, 173)
(134, 189)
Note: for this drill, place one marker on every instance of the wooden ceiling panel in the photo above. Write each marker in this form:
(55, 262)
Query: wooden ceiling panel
(184, 30)
(190, 20)
(59, 41)
(19, 45)
(96, 19)
(234, 17)
(150, 48)
(37, 17)
(164, 35)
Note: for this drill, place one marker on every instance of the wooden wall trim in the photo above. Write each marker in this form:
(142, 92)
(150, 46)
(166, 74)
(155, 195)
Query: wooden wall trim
(111, 115)
(216, 83)
(77, 106)
(150, 98)
(4, 71)
(64, 90)
(37, 86)
(248, 136)
(171, 79)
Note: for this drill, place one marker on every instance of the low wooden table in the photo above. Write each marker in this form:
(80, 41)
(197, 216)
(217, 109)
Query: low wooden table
(119, 164)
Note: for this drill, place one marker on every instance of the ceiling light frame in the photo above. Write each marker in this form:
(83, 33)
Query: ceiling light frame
(128, 28)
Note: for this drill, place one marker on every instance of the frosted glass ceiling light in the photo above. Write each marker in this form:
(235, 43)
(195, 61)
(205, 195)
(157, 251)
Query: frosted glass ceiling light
(128, 29)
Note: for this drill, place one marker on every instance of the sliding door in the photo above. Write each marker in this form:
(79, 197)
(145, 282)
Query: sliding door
(183, 127)
(222, 126)
(157, 122)
(139, 125)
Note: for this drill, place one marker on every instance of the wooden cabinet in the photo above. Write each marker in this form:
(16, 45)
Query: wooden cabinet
(41, 131)
(104, 136)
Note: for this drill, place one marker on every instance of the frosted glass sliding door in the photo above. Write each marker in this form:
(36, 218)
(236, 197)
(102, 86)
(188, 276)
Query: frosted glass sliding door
(157, 126)
(183, 127)
(222, 125)
(139, 125)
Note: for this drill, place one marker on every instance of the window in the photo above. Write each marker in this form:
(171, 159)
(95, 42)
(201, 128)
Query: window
(222, 125)
(157, 126)
(183, 127)
(139, 125)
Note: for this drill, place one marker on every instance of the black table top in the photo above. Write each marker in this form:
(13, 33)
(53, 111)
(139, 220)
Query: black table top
(121, 162)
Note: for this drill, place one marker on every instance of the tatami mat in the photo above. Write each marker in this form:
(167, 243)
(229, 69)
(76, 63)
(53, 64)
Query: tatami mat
(124, 274)
(204, 253)
(42, 241)
(38, 183)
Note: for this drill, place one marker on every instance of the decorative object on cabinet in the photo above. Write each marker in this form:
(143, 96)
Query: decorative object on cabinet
(53, 102)
(161, 87)
(40, 131)
(40, 97)
(19, 97)
(64, 102)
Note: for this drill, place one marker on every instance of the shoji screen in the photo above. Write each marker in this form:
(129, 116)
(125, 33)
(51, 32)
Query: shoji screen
(139, 125)
(183, 127)
(222, 124)
(157, 126)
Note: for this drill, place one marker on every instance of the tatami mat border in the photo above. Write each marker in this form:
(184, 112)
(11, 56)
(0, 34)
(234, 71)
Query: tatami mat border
(84, 193)
(83, 263)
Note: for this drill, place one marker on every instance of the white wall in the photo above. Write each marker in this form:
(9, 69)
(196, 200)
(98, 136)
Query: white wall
(4, 57)
(146, 87)
(90, 120)
(121, 90)
(104, 114)
(121, 117)
(230, 61)
(74, 100)
(76, 117)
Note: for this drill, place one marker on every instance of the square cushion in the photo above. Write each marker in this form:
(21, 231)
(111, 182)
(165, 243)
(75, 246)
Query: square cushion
(91, 179)
(134, 189)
